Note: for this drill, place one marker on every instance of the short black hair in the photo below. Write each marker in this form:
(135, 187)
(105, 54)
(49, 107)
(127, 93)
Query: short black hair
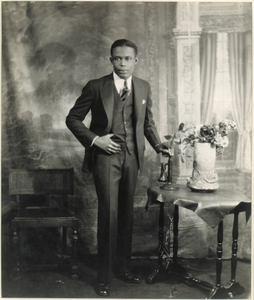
(123, 42)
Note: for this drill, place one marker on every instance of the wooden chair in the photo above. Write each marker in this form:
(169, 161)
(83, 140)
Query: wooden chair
(38, 187)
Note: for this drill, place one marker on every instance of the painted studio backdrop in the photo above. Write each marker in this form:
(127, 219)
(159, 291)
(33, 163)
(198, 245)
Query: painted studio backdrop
(196, 56)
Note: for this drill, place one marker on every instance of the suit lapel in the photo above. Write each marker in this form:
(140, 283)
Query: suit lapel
(138, 94)
(107, 96)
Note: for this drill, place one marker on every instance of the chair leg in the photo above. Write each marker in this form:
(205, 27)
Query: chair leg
(74, 254)
(64, 239)
(15, 251)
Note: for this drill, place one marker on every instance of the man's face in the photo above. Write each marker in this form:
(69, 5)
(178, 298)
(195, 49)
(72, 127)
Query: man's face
(123, 60)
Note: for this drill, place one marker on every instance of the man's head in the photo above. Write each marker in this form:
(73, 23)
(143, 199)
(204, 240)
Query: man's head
(124, 57)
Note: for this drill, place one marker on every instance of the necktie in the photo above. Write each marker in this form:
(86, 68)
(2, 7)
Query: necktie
(125, 91)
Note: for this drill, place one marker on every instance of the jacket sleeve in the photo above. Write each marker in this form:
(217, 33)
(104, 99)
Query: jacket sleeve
(150, 129)
(77, 114)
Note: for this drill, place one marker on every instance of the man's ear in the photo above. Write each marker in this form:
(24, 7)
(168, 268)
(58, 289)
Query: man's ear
(111, 59)
(136, 60)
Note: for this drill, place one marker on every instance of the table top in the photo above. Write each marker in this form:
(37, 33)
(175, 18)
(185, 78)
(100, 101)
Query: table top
(211, 207)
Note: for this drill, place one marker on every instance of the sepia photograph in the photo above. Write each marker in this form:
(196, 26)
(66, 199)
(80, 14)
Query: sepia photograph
(126, 134)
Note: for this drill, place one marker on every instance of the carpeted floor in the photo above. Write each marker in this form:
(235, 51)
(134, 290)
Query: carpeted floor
(55, 284)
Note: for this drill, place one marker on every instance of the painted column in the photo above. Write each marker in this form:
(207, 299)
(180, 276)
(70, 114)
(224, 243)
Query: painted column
(184, 79)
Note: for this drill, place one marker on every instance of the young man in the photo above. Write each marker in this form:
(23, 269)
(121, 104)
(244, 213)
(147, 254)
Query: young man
(120, 104)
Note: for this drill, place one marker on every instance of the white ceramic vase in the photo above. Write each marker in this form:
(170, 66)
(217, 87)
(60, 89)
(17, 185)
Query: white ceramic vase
(204, 177)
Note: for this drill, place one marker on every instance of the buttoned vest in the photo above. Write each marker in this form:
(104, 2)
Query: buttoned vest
(122, 125)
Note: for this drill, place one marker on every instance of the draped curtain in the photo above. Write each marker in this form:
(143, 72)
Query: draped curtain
(240, 66)
(208, 47)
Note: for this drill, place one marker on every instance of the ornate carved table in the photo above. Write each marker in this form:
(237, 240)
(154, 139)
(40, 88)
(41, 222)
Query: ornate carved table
(212, 208)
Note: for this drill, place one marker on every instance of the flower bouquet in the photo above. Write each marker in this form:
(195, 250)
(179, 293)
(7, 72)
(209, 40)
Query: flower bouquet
(208, 141)
(215, 134)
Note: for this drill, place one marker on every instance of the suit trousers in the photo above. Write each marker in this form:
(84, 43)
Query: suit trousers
(115, 178)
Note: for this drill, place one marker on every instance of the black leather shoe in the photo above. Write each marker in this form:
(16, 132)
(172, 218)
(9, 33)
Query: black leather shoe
(129, 278)
(102, 289)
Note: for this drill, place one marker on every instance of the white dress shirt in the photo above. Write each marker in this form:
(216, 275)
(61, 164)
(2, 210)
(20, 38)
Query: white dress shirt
(119, 82)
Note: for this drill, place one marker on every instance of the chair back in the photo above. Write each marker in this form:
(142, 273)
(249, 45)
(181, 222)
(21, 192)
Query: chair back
(36, 184)
(41, 181)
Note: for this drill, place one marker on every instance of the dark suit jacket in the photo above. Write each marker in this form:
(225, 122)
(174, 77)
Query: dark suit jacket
(98, 96)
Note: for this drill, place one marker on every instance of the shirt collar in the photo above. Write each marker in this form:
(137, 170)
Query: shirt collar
(119, 82)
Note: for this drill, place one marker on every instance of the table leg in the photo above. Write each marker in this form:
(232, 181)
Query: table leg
(219, 254)
(161, 234)
(234, 248)
(233, 286)
(175, 243)
(158, 269)
(175, 269)
(219, 292)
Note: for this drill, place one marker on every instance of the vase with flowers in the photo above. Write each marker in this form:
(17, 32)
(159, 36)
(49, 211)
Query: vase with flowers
(208, 141)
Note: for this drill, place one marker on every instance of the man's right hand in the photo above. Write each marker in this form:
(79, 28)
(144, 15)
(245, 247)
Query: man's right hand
(105, 143)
